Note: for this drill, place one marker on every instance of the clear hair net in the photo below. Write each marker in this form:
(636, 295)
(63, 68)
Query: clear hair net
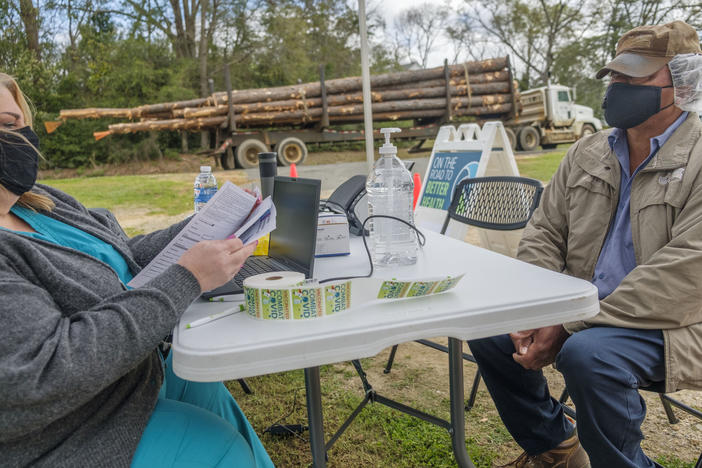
(686, 71)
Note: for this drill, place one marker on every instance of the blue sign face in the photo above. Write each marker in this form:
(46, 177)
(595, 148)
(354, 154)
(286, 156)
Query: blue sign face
(446, 171)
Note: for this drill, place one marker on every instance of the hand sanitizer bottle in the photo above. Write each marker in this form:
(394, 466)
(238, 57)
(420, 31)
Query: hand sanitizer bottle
(390, 191)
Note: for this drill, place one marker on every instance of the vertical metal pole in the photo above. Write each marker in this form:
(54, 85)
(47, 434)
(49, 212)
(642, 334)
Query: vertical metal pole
(515, 111)
(325, 108)
(458, 422)
(365, 75)
(230, 104)
(447, 79)
(314, 417)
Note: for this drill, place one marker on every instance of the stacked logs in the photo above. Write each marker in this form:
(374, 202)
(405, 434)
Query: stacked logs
(481, 88)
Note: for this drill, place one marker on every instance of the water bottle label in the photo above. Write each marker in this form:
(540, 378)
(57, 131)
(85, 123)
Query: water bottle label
(203, 195)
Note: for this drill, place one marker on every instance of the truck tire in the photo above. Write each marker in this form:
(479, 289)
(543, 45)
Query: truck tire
(588, 129)
(291, 150)
(512, 137)
(227, 159)
(247, 152)
(529, 138)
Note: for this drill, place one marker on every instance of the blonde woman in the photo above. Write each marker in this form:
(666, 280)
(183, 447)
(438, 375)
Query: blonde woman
(82, 382)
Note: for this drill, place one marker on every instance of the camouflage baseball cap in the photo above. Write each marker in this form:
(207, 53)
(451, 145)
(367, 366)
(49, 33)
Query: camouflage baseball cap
(646, 49)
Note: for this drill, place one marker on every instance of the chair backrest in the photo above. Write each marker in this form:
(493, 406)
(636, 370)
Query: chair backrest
(503, 203)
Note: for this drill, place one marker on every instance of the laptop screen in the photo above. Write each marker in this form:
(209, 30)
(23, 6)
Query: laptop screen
(294, 239)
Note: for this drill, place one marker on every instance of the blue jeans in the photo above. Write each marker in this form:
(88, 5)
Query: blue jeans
(198, 425)
(603, 369)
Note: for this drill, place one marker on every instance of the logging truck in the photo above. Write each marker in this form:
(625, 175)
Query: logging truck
(548, 116)
(285, 119)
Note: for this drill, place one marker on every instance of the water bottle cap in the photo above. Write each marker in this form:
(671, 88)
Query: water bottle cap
(205, 169)
(388, 148)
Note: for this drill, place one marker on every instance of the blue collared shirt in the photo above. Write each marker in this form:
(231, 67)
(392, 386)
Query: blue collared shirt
(617, 257)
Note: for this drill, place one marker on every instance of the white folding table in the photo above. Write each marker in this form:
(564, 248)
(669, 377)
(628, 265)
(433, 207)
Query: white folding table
(497, 295)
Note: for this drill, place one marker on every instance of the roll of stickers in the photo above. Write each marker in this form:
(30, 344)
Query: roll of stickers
(287, 295)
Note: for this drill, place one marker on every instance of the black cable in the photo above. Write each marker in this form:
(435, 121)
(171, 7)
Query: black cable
(422, 241)
(287, 429)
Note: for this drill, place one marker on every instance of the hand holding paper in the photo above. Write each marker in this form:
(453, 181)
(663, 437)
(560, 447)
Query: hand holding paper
(215, 262)
(228, 213)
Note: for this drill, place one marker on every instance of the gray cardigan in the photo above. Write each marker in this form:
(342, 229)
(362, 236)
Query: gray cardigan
(79, 370)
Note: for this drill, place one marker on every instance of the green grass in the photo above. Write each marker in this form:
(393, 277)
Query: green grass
(541, 167)
(379, 436)
(157, 194)
(672, 461)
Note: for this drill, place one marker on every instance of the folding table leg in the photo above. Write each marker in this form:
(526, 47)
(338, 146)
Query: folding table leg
(314, 416)
(458, 422)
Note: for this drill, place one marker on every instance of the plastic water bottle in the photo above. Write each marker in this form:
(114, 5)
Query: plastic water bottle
(390, 191)
(205, 187)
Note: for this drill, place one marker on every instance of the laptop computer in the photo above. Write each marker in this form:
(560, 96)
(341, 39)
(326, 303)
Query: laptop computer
(292, 243)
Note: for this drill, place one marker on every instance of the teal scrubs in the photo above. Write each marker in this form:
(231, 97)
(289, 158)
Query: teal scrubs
(51, 230)
(194, 424)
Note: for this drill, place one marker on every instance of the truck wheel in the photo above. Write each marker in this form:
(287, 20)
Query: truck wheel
(512, 137)
(529, 138)
(247, 152)
(588, 129)
(227, 159)
(291, 151)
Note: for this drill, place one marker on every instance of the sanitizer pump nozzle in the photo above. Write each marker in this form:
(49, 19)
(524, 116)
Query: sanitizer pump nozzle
(388, 148)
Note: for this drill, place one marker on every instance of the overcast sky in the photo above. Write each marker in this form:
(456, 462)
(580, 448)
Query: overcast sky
(390, 9)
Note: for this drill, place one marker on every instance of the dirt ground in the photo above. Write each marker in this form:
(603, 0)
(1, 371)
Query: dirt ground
(683, 440)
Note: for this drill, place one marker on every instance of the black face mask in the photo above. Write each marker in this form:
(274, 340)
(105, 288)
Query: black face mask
(628, 105)
(19, 162)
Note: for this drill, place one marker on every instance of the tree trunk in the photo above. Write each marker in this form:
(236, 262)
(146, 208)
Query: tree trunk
(173, 124)
(30, 18)
(496, 93)
(345, 85)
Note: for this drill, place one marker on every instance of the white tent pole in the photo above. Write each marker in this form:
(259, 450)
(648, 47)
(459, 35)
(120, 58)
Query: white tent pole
(365, 74)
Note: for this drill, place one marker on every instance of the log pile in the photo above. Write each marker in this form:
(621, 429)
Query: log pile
(481, 88)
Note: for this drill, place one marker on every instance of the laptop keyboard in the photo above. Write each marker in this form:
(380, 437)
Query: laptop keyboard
(254, 266)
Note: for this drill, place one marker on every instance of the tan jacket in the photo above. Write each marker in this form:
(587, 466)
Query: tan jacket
(664, 291)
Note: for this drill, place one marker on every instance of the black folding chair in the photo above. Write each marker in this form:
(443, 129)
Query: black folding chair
(501, 203)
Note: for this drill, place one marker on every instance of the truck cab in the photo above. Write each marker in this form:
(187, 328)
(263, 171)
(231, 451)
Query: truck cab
(565, 112)
(549, 116)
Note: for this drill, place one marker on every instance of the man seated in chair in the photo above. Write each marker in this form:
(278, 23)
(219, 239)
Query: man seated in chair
(623, 210)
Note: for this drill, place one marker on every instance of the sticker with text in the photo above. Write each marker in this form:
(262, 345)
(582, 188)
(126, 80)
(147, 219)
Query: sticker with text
(393, 289)
(448, 283)
(337, 297)
(275, 304)
(306, 303)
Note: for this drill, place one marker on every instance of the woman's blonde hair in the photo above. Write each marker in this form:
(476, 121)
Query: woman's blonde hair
(29, 199)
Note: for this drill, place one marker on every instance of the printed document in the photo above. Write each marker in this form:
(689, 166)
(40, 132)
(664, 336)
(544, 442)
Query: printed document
(227, 214)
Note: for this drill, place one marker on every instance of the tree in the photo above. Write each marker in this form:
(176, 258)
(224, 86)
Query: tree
(469, 41)
(618, 16)
(76, 14)
(417, 30)
(30, 19)
(298, 36)
(534, 32)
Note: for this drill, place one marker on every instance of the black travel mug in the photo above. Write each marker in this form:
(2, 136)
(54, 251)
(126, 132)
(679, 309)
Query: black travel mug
(267, 167)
